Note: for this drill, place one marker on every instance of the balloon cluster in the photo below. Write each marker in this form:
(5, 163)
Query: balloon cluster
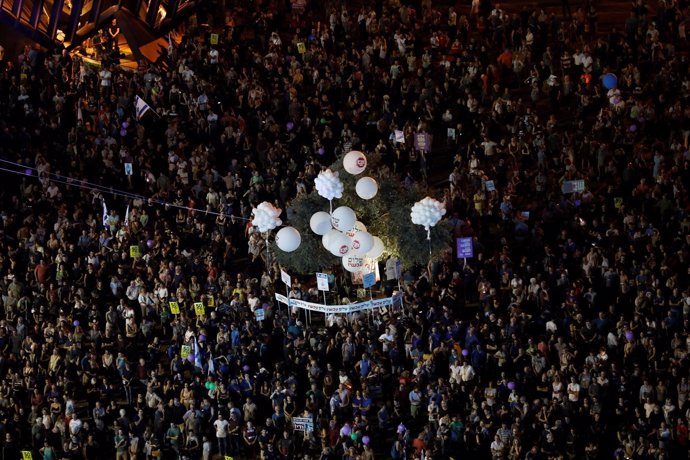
(427, 212)
(328, 185)
(341, 233)
(266, 217)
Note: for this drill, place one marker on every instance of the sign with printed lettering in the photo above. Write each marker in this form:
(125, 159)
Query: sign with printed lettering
(304, 424)
(174, 308)
(134, 251)
(369, 280)
(490, 186)
(301, 49)
(185, 351)
(128, 169)
(285, 278)
(199, 309)
(618, 202)
(210, 301)
(322, 282)
(465, 248)
(214, 39)
(259, 313)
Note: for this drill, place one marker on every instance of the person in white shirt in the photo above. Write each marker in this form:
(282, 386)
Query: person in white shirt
(466, 372)
(213, 56)
(573, 390)
(221, 426)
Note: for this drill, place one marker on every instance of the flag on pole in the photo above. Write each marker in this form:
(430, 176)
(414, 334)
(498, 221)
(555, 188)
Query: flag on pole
(141, 106)
(197, 355)
(105, 215)
(211, 366)
(127, 217)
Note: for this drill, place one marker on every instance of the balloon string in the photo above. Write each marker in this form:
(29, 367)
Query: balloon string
(428, 238)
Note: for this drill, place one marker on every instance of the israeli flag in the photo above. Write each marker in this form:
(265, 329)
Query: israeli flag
(105, 215)
(141, 106)
(197, 355)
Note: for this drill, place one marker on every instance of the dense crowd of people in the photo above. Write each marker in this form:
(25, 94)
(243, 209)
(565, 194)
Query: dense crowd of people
(565, 336)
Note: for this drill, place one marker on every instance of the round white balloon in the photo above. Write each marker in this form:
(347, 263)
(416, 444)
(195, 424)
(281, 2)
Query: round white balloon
(326, 238)
(377, 249)
(362, 242)
(359, 227)
(366, 188)
(353, 263)
(355, 162)
(343, 219)
(339, 245)
(320, 223)
(288, 239)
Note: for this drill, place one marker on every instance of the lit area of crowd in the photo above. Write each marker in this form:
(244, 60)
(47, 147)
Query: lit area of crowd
(130, 273)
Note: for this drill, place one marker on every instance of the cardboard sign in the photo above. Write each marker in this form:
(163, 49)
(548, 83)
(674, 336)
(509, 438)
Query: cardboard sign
(27, 455)
(214, 39)
(210, 301)
(134, 252)
(322, 282)
(303, 424)
(259, 313)
(199, 309)
(174, 308)
(301, 49)
(128, 169)
(286, 278)
(369, 280)
(185, 351)
(464, 247)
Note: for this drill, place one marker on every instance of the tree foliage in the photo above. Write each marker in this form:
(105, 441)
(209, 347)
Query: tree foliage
(387, 216)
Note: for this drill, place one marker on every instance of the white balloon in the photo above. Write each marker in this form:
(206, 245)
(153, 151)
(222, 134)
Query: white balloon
(362, 242)
(376, 251)
(328, 185)
(326, 239)
(288, 239)
(427, 212)
(266, 217)
(339, 245)
(353, 263)
(355, 162)
(359, 227)
(366, 188)
(320, 222)
(343, 219)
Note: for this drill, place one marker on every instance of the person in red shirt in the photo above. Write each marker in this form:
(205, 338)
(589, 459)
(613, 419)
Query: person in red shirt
(41, 271)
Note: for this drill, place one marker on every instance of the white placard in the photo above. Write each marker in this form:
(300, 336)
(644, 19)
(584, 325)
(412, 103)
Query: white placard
(322, 282)
(286, 278)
